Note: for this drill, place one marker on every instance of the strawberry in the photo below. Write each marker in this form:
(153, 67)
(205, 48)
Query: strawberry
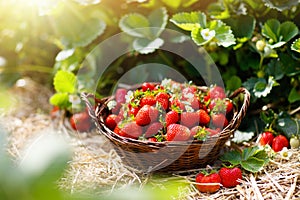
(146, 115)
(279, 142)
(195, 103)
(188, 92)
(206, 182)
(189, 119)
(120, 95)
(230, 176)
(204, 117)
(153, 129)
(54, 113)
(199, 133)
(133, 110)
(219, 120)
(147, 100)
(229, 106)
(147, 86)
(217, 105)
(266, 138)
(131, 130)
(177, 132)
(163, 99)
(81, 121)
(213, 132)
(216, 92)
(177, 105)
(111, 121)
(172, 117)
(116, 109)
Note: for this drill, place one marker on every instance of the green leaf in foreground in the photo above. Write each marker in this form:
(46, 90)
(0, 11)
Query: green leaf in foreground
(145, 46)
(135, 25)
(294, 95)
(189, 21)
(61, 100)
(296, 45)
(251, 159)
(65, 81)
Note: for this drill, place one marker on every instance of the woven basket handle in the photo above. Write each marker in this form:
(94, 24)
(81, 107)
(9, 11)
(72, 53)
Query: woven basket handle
(235, 122)
(85, 97)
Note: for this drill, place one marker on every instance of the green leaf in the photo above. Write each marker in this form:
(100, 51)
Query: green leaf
(135, 25)
(271, 29)
(79, 38)
(287, 125)
(224, 34)
(280, 5)
(253, 164)
(158, 19)
(145, 46)
(218, 11)
(242, 26)
(288, 30)
(189, 21)
(290, 66)
(262, 88)
(275, 69)
(296, 45)
(61, 100)
(172, 3)
(65, 81)
(294, 95)
(233, 83)
(249, 152)
(234, 157)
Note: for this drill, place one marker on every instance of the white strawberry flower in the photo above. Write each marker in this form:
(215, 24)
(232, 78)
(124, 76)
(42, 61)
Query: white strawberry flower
(285, 153)
(129, 96)
(208, 34)
(111, 104)
(74, 99)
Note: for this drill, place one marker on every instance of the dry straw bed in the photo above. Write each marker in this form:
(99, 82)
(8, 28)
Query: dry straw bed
(97, 169)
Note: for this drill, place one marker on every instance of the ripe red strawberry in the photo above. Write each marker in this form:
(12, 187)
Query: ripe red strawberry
(133, 110)
(188, 91)
(176, 104)
(54, 113)
(219, 120)
(216, 92)
(81, 121)
(189, 119)
(199, 133)
(172, 117)
(147, 86)
(146, 115)
(131, 130)
(204, 117)
(147, 100)
(120, 95)
(217, 105)
(195, 103)
(279, 142)
(266, 138)
(152, 139)
(163, 99)
(213, 132)
(177, 132)
(153, 129)
(206, 182)
(230, 176)
(229, 106)
(111, 121)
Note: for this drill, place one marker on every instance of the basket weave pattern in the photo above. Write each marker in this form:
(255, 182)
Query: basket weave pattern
(149, 156)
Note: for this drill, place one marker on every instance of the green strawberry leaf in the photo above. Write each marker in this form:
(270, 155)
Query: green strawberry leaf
(172, 3)
(158, 19)
(224, 34)
(296, 45)
(145, 46)
(61, 100)
(242, 26)
(218, 11)
(249, 152)
(253, 164)
(287, 125)
(271, 29)
(233, 83)
(234, 157)
(288, 30)
(135, 25)
(280, 5)
(65, 81)
(189, 21)
(294, 95)
(263, 88)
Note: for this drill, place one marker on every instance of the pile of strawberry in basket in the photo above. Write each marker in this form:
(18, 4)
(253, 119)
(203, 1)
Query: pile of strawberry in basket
(169, 111)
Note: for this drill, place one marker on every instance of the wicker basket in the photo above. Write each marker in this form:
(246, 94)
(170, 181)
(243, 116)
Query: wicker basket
(149, 156)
